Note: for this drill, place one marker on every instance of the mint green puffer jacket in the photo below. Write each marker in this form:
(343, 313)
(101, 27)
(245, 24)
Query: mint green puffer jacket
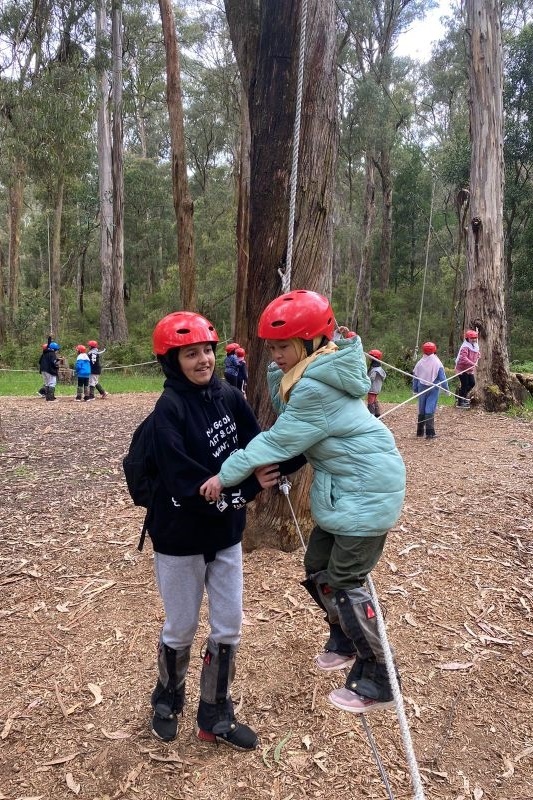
(359, 475)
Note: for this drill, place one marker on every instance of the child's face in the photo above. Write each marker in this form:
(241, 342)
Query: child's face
(197, 362)
(284, 353)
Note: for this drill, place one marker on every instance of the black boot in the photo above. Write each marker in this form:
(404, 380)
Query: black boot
(168, 697)
(420, 428)
(430, 427)
(50, 393)
(91, 393)
(215, 717)
(338, 642)
(358, 619)
(370, 679)
(101, 390)
(42, 391)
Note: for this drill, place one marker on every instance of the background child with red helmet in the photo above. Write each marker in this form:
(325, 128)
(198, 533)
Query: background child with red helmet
(231, 364)
(96, 369)
(467, 359)
(319, 387)
(82, 370)
(428, 370)
(198, 421)
(242, 376)
(377, 375)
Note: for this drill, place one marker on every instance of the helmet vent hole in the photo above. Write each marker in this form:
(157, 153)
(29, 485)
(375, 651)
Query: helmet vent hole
(183, 331)
(278, 323)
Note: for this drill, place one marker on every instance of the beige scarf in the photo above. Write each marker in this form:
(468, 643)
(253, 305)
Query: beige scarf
(292, 377)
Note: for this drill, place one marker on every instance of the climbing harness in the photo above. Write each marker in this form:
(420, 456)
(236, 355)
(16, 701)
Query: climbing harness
(286, 274)
(285, 487)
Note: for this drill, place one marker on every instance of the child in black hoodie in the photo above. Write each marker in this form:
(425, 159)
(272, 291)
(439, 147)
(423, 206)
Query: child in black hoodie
(199, 420)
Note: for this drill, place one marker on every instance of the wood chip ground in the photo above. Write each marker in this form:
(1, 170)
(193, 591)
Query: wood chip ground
(80, 617)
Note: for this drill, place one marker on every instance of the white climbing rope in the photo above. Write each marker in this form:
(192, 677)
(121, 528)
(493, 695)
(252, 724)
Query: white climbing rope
(425, 270)
(416, 780)
(286, 274)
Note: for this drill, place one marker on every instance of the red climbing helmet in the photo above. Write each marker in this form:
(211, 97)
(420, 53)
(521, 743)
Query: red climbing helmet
(92, 343)
(240, 351)
(181, 328)
(376, 354)
(471, 335)
(300, 314)
(350, 335)
(428, 348)
(231, 347)
(80, 348)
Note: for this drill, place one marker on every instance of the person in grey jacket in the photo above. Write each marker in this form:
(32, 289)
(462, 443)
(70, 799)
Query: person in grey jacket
(319, 388)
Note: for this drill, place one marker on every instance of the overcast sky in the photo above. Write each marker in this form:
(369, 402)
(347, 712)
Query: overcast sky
(417, 42)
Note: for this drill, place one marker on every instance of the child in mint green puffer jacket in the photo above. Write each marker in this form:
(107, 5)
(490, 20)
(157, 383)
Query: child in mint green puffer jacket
(319, 389)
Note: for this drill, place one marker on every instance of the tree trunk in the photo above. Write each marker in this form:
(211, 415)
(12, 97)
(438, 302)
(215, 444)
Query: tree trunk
(105, 175)
(361, 308)
(239, 325)
(485, 276)
(117, 330)
(15, 199)
(183, 204)
(269, 74)
(55, 258)
(384, 169)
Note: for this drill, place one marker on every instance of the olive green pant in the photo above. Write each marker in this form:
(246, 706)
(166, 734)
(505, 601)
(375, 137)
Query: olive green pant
(347, 560)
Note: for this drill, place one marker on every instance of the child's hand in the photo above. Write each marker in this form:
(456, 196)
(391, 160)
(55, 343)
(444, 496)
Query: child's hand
(211, 489)
(268, 475)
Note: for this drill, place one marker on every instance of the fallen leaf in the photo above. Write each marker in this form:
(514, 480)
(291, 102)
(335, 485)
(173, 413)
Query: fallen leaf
(72, 784)
(478, 793)
(173, 759)
(410, 620)
(392, 566)
(115, 734)
(97, 692)
(509, 767)
(7, 726)
(307, 741)
(61, 759)
(456, 665)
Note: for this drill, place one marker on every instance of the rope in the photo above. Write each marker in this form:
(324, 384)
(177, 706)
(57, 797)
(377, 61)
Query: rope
(416, 780)
(425, 269)
(410, 375)
(286, 275)
(106, 369)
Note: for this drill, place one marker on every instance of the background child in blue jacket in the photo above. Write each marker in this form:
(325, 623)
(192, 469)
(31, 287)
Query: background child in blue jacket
(428, 370)
(319, 386)
(82, 370)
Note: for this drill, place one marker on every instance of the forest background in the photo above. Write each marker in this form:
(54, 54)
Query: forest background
(400, 191)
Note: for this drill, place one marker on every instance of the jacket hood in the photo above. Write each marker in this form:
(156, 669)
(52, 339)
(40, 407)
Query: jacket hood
(344, 369)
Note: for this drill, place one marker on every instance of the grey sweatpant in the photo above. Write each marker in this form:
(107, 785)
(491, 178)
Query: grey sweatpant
(181, 581)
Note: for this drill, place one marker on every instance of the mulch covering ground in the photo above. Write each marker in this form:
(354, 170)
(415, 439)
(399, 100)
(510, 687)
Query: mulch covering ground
(80, 616)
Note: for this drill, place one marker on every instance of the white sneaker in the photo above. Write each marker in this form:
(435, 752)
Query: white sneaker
(329, 660)
(350, 701)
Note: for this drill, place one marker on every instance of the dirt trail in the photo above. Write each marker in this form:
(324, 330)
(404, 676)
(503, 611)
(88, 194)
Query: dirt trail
(79, 619)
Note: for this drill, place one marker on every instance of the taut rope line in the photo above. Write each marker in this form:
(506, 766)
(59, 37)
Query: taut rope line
(287, 273)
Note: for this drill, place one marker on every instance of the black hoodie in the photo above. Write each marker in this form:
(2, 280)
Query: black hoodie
(193, 437)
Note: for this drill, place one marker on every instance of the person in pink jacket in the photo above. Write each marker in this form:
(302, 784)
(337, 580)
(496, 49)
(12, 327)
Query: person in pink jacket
(466, 363)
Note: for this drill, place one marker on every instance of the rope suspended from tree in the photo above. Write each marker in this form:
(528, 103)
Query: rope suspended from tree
(425, 270)
(286, 274)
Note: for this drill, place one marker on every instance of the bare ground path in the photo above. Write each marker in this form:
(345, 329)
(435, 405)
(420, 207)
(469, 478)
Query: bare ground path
(79, 620)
